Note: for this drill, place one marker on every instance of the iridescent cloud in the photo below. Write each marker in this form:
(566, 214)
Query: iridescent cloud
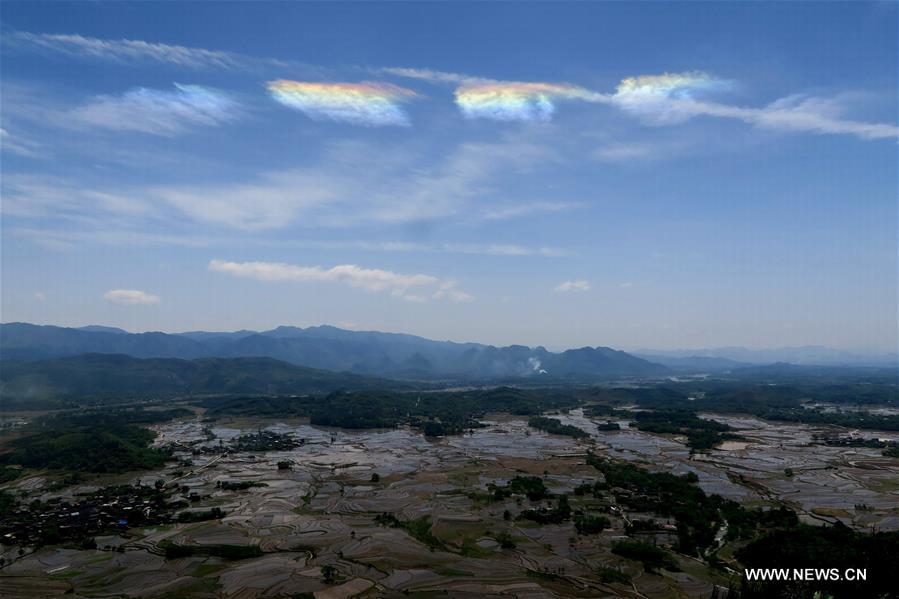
(665, 98)
(668, 85)
(366, 103)
(517, 101)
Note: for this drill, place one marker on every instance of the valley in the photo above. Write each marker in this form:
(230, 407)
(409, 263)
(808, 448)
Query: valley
(312, 519)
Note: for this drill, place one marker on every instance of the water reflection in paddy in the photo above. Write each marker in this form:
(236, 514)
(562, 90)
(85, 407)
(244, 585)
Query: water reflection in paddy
(825, 477)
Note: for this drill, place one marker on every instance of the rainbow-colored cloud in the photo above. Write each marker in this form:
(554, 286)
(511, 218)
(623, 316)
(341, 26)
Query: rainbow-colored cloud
(516, 101)
(667, 85)
(366, 103)
(667, 98)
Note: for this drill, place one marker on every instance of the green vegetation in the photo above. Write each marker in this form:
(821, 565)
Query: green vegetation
(701, 434)
(470, 548)
(608, 426)
(774, 537)
(590, 525)
(770, 402)
(388, 519)
(92, 379)
(329, 574)
(420, 530)
(8, 502)
(505, 540)
(212, 514)
(531, 487)
(653, 558)
(611, 575)
(825, 547)
(229, 552)
(890, 448)
(545, 576)
(698, 515)
(89, 449)
(553, 426)
(107, 441)
(543, 515)
(243, 485)
(434, 413)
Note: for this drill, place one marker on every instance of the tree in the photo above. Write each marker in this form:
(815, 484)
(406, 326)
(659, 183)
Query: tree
(329, 573)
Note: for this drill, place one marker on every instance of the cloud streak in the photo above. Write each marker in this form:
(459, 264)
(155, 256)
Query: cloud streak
(368, 103)
(159, 112)
(131, 297)
(665, 99)
(410, 287)
(16, 145)
(125, 51)
(354, 183)
(576, 285)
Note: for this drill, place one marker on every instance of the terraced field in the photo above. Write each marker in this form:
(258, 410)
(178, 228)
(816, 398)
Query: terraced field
(313, 529)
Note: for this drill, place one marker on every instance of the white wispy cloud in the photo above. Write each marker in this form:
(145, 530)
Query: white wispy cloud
(395, 186)
(67, 238)
(576, 285)
(623, 152)
(40, 296)
(159, 112)
(131, 297)
(665, 99)
(795, 113)
(433, 76)
(674, 98)
(524, 209)
(448, 290)
(502, 249)
(45, 197)
(127, 51)
(98, 234)
(18, 145)
(411, 287)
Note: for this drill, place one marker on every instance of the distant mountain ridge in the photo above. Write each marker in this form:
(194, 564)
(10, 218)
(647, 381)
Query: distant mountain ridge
(810, 355)
(114, 375)
(369, 353)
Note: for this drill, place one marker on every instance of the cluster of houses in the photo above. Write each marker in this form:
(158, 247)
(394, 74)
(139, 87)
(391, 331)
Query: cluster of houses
(109, 510)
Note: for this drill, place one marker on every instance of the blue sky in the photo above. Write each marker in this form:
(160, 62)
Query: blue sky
(565, 174)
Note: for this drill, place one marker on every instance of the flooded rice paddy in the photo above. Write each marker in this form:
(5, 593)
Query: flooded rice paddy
(320, 512)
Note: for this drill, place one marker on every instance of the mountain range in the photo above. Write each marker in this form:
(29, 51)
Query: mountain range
(369, 353)
(100, 376)
(731, 357)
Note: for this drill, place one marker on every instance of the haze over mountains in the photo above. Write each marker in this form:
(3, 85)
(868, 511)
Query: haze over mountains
(389, 355)
(729, 357)
(402, 356)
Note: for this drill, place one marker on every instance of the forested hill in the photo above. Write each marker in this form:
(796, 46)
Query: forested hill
(104, 376)
(369, 353)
